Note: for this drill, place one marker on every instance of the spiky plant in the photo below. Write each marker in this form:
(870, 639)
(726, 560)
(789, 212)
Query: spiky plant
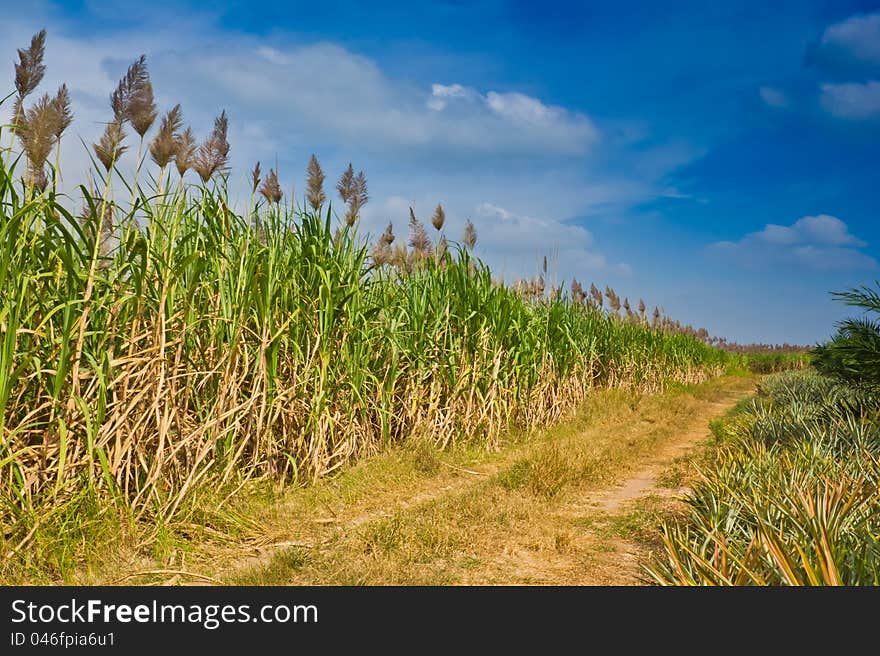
(315, 184)
(853, 354)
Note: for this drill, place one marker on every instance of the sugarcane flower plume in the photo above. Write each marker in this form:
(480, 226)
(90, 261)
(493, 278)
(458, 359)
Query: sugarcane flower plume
(184, 151)
(255, 178)
(418, 236)
(63, 113)
(470, 235)
(163, 147)
(345, 186)
(358, 198)
(438, 218)
(214, 152)
(29, 70)
(270, 188)
(109, 148)
(142, 110)
(315, 184)
(132, 83)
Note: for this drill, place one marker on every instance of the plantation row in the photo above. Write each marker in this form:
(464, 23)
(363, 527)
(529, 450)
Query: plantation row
(201, 350)
(168, 345)
(792, 498)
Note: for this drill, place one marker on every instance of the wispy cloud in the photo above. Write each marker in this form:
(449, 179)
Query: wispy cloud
(852, 100)
(820, 242)
(858, 36)
(571, 247)
(442, 94)
(773, 97)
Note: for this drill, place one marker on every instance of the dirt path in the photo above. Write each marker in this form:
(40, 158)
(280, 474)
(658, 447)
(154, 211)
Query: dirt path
(573, 507)
(622, 511)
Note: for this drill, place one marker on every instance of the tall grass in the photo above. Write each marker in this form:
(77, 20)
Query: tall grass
(157, 348)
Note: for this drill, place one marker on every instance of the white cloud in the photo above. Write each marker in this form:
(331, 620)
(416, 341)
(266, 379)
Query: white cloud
(441, 94)
(773, 97)
(816, 242)
(858, 35)
(525, 240)
(288, 97)
(852, 100)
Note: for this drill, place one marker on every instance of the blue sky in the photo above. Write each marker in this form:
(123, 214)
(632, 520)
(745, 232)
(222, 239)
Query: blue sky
(719, 161)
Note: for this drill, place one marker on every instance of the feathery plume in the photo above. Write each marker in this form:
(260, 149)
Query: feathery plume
(357, 199)
(142, 110)
(418, 236)
(185, 151)
(387, 237)
(345, 186)
(439, 217)
(255, 178)
(18, 117)
(615, 303)
(400, 257)
(30, 69)
(381, 252)
(270, 188)
(315, 184)
(134, 80)
(163, 147)
(470, 235)
(109, 148)
(381, 256)
(595, 294)
(39, 125)
(64, 115)
(214, 152)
